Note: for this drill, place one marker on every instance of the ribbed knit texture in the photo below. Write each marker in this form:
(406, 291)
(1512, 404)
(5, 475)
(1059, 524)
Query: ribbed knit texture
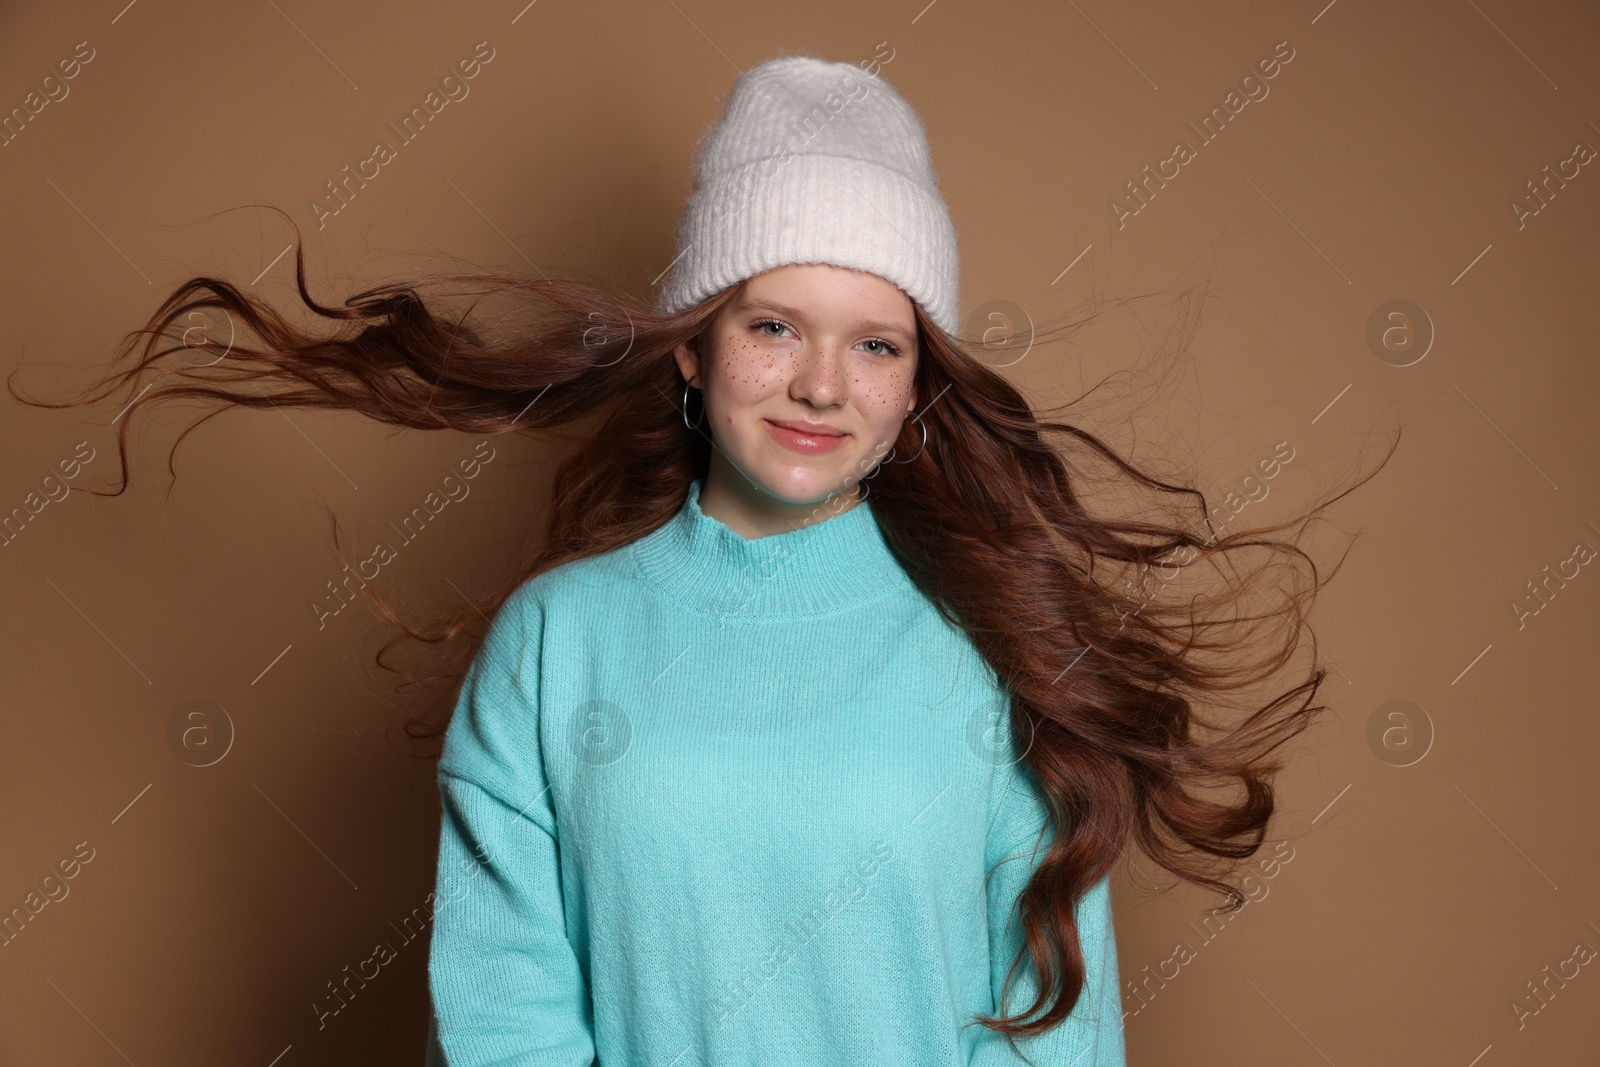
(717, 801)
(816, 162)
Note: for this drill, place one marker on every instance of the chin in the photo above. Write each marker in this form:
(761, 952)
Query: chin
(802, 486)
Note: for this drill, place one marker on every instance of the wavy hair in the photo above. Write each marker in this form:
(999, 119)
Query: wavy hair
(1116, 683)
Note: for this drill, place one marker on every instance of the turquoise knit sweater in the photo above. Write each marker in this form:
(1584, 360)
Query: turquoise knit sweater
(717, 801)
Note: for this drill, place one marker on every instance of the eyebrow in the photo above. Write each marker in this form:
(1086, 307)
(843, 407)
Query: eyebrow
(796, 313)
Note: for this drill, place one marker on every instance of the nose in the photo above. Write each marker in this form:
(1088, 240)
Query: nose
(820, 377)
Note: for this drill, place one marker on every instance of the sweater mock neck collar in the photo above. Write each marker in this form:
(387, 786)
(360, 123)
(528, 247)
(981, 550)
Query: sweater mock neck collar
(831, 563)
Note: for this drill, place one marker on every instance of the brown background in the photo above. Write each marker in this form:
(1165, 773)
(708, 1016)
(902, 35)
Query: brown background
(220, 900)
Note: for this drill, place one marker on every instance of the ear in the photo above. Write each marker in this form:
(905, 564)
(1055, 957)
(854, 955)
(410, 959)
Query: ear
(688, 360)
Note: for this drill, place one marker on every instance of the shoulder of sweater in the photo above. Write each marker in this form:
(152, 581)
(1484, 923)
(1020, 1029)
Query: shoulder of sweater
(576, 581)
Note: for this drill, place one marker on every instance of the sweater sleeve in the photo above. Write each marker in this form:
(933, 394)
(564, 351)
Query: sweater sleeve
(506, 985)
(1091, 1036)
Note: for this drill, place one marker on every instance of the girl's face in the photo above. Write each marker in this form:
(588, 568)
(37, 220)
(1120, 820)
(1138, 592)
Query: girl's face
(808, 377)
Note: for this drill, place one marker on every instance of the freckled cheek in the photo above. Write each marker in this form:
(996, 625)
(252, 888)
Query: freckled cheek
(748, 371)
(745, 375)
(882, 397)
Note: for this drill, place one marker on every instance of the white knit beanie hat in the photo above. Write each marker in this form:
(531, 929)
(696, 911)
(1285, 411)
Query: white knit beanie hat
(816, 162)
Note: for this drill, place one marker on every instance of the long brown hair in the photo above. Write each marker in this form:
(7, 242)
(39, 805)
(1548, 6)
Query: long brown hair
(992, 520)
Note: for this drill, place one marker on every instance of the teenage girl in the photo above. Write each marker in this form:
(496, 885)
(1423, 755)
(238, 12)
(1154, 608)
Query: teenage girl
(813, 731)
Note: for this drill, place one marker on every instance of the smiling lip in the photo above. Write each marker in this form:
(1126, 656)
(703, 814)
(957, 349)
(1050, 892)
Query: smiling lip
(810, 438)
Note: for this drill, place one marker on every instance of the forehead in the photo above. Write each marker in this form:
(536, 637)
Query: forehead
(822, 309)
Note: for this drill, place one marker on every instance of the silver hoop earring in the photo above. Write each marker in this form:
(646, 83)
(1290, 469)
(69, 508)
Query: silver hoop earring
(924, 441)
(696, 424)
